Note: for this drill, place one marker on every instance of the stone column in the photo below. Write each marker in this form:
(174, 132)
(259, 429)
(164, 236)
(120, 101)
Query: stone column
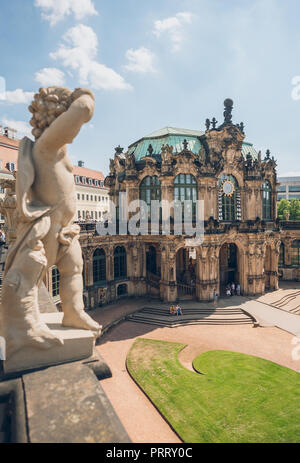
(168, 289)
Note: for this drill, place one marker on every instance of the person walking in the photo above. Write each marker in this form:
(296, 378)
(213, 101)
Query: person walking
(232, 288)
(215, 297)
(238, 289)
(178, 310)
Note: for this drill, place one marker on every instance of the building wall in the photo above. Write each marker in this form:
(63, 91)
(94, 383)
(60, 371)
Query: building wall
(288, 188)
(255, 241)
(91, 195)
(91, 199)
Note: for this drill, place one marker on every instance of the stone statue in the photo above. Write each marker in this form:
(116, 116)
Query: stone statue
(46, 234)
(166, 154)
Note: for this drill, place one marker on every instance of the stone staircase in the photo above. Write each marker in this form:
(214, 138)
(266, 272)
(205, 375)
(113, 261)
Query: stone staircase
(287, 299)
(201, 314)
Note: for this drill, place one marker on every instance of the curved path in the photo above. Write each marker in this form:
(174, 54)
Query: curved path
(139, 417)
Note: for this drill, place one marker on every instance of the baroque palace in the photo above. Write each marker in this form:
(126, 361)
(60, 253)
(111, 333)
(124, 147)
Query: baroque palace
(243, 242)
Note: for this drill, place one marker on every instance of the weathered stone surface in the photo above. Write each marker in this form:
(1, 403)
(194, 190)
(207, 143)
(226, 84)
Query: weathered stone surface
(78, 344)
(66, 404)
(46, 303)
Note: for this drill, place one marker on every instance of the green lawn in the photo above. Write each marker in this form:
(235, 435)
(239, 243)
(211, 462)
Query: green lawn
(237, 398)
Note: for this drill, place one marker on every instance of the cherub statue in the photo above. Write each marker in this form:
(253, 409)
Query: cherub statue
(46, 234)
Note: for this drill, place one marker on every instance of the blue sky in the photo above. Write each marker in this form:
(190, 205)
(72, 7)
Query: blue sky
(158, 63)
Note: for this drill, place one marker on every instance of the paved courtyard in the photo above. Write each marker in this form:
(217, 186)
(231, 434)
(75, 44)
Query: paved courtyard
(141, 420)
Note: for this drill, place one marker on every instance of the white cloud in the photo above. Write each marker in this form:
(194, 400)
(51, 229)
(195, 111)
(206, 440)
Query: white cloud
(56, 10)
(17, 96)
(48, 77)
(174, 28)
(21, 126)
(79, 53)
(140, 60)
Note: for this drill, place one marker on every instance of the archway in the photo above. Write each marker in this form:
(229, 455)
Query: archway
(186, 272)
(229, 271)
(151, 263)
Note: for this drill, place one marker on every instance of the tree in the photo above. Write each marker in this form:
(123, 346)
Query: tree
(282, 208)
(294, 209)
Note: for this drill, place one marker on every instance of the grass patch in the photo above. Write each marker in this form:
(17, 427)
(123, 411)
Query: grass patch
(237, 398)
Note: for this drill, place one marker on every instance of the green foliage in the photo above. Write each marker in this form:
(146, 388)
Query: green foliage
(292, 207)
(235, 398)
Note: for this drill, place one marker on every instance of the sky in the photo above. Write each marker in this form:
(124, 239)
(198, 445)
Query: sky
(158, 63)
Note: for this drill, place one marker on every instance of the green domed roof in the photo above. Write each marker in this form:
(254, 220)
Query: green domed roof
(175, 137)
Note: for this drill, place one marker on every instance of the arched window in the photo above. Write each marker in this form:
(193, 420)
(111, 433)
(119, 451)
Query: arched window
(151, 260)
(229, 199)
(122, 290)
(150, 189)
(281, 255)
(185, 188)
(120, 264)
(267, 201)
(99, 266)
(295, 252)
(55, 281)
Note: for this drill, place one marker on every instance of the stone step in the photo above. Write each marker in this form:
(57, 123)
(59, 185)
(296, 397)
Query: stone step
(192, 322)
(192, 312)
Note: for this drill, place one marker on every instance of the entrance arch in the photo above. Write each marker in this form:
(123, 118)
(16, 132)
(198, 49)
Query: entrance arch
(229, 268)
(151, 263)
(185, 273)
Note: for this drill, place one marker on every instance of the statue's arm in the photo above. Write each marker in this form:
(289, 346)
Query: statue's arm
(65, 128)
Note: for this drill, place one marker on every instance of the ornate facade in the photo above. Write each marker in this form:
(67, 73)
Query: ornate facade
(242, 236)
(243, 241)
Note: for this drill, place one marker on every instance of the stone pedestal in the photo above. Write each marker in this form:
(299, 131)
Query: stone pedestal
(78, 345)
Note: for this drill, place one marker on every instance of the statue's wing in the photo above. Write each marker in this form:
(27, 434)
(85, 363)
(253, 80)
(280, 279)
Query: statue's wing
(24, 182)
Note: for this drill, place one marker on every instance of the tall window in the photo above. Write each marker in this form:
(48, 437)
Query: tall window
(281, 255)
(120, 265)
(150, 190)
(295, 252)
(229, 199)
(267, 201)
(55, 281)
(99, 266)
(185, 188)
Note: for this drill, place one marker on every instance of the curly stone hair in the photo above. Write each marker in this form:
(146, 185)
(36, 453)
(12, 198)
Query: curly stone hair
(47, 105)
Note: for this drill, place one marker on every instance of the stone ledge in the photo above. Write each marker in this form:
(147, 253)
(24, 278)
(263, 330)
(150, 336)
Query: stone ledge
(78, 345)
(66, 404)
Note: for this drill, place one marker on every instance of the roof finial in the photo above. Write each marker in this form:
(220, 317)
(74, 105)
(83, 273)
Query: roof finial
(150, 149)
(228, 103)
(207, 124)
(119, 150)
(214, 122)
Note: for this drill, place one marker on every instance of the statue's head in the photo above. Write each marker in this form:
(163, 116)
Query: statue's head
(47, 105)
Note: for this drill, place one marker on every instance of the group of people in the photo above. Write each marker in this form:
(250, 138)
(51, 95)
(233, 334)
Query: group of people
(233, 289)
(175, 310)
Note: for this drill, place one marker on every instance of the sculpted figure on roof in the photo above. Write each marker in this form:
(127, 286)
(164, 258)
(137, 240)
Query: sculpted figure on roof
(46, 233)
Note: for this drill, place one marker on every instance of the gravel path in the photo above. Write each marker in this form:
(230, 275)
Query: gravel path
(139, 417)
